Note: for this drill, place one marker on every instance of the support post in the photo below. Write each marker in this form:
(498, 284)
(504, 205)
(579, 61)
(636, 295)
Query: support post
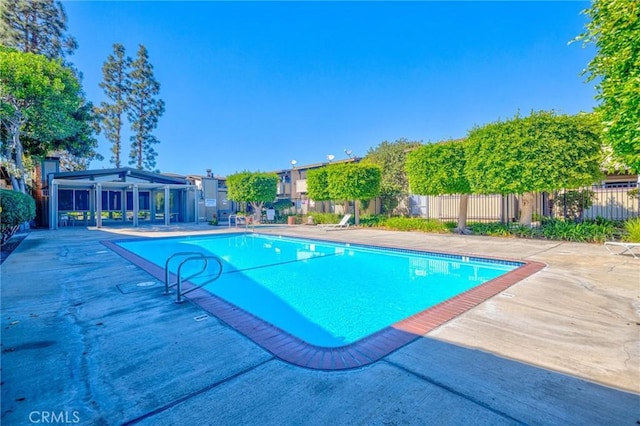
(98, 205)
(166, 205)
(136, 205)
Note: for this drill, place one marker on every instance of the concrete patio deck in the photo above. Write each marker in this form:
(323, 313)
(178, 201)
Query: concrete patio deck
(83, 344)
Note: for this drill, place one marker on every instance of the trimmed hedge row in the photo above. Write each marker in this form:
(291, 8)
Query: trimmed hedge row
(16, 208)
(590, 231)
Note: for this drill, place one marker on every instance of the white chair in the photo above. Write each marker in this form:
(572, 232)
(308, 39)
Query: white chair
(627, 247)
(271, 215)
(343, 224)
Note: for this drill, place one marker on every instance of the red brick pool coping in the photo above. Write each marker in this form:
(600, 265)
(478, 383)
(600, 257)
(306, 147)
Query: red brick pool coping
(360, 353)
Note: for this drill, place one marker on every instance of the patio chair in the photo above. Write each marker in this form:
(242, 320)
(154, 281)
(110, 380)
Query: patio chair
(343, 224)
(271, 215)
(627, 247)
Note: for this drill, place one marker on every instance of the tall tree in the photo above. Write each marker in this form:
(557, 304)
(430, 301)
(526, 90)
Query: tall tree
(36, 26)
(39, 98)
(40, 26)
(116, 85)
(438, 169)
(344, 182)
(615, 30)
(255, 188)
(394, 186)
(541, 152)
(144, 111)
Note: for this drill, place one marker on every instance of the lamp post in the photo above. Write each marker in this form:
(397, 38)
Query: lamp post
(348, 152)
(330, 157)
(293, 167)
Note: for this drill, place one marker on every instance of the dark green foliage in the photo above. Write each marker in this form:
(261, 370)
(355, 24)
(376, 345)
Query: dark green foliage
(342, 182)
(438, 169)
(41, 109)
(36, 26)
(415, 224)
(493, 229)
(541, 152)
(144, 111)
(372, 220)
(280, 205)
(588, 231)
(352, 181)
(318, 185)
(615, 30)
(323, 218)
(40, 27)
(16, 208)
(391, 157)
(255, 188)
(632, 230)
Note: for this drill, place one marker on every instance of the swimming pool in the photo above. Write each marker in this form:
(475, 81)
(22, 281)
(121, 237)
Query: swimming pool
(324, 294)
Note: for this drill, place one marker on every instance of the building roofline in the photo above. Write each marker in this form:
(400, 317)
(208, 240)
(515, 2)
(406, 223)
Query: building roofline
(123, 171)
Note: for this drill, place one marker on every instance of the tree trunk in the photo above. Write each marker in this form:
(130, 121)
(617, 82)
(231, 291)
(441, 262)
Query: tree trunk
(526, 209)
(462, 213)
(257, 211)
(356, 209)
(18, 181)
(14, 183)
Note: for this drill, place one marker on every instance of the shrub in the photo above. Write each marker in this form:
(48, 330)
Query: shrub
(632, 226)
(16, 208)
(494, 229)
(414, 224)
(591, 231)
(372, 220)
(322, 218)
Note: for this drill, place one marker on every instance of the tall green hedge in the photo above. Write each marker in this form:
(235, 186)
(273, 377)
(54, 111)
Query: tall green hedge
(16, 208)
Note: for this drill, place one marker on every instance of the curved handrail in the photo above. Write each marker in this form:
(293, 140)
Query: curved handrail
(166, 267)
(248, 220)
(179, 292)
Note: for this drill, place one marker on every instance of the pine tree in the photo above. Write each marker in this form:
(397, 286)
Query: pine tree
(116, 86)
(36, 26)
(144, 111)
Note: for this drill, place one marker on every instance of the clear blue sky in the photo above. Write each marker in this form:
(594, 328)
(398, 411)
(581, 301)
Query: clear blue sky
(253, 85)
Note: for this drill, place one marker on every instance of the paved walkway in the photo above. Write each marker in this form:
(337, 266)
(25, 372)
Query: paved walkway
(83, 343)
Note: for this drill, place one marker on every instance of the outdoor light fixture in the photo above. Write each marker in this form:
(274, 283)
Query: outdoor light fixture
(348, 152)
(330, 157)
(293, 163)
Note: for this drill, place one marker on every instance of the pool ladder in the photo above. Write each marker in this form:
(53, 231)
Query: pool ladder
(189, 256)
(248, 224)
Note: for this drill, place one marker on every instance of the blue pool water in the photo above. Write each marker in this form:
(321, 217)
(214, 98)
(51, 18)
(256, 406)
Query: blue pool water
(327, 294)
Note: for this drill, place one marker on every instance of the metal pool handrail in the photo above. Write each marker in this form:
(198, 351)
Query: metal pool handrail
(247, 221)
(182, 253)
(179, 292)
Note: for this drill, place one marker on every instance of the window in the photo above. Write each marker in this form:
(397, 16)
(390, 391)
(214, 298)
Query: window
(65, 199)
(81, 199)
(111, 200)
(73, 200)
(143, 200)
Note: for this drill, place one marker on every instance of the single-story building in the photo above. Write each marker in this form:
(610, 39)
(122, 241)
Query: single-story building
(116, 196)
